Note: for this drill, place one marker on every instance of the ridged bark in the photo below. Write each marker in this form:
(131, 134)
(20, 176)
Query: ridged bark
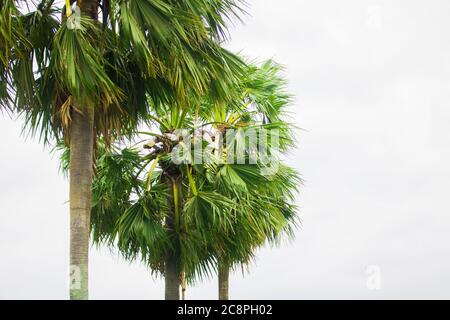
(81, 175)
(81, 172)
(224, 275)
(172, 279)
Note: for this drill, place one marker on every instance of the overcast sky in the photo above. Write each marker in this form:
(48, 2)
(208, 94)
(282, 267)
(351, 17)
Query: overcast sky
(372, 81)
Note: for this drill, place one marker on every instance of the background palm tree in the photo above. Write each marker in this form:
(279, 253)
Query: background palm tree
(79, 78)
(263, 210)
(217, 214)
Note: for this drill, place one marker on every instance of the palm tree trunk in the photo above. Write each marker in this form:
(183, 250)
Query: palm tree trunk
(183, 285)
(172, 279)
(81, 175)
(224, 274)
(172, 263)
(81, 171)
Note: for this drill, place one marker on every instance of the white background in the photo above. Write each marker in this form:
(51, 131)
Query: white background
(372, 81)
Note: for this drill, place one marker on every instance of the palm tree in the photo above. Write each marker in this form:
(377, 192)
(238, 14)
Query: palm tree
(271, 213)
(79, 78)
(217, 214)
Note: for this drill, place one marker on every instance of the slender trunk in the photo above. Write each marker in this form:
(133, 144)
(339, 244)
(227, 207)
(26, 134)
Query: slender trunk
(81, 171)
(224, 274)
(171, 278)
(172, 263)
(183, 285)
(81, 174)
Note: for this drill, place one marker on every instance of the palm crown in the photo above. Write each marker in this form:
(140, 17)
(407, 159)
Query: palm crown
(144, 53)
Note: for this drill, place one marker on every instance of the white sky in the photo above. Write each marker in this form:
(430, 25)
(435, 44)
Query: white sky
(372, 83)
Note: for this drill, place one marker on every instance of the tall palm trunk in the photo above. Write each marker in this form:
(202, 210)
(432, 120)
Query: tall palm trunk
(81, 175)
(172, 263)
(81, 171)
(224, 274)
(172, 280)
